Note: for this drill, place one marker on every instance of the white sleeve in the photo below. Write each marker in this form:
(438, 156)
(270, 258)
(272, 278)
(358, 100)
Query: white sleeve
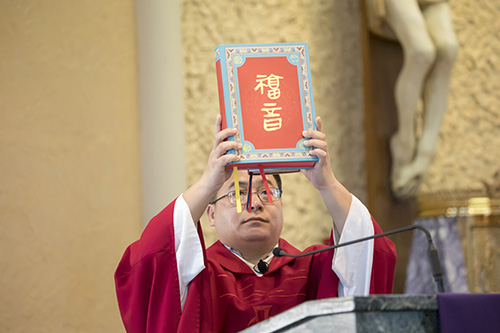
(353, 263)
(188, 250)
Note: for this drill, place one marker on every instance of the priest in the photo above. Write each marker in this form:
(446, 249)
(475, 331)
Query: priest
(167, 281)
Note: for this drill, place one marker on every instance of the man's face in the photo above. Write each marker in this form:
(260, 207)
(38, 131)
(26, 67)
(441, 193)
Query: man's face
(240, 230)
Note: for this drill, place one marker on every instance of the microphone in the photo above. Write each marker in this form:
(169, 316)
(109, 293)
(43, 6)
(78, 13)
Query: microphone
(262, 267)
(432, 253)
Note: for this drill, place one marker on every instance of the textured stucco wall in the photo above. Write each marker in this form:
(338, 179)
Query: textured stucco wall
(69, 170)
(468, 150)
(332, 30)
(468, 146)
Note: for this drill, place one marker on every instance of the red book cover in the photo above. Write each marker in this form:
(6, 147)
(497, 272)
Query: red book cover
(265, 91)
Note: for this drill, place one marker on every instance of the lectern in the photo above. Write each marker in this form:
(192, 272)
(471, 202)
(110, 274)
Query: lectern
(379, 313)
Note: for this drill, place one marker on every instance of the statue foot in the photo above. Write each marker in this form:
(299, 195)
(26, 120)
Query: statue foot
(406, 183)
(406, 179)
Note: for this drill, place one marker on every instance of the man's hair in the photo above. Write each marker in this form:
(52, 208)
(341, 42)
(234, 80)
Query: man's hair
(277, 177)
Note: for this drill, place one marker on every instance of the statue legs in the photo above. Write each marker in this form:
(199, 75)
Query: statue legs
(430, 48)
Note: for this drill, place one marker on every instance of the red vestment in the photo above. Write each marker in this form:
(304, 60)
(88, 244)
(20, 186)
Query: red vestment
(226, 296)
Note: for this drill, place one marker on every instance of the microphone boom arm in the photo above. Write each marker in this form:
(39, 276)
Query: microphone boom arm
(432, 253)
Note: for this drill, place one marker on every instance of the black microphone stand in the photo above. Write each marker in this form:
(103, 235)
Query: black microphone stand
(432, 253)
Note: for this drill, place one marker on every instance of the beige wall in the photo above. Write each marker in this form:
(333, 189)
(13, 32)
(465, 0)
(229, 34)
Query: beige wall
(69, 167)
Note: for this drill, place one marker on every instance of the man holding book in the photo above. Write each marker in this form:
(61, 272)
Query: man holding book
(167, 281)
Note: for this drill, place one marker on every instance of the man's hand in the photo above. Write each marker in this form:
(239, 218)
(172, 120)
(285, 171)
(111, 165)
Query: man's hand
(198, 196)
(215, 173)
(321, 176)
(336, 197)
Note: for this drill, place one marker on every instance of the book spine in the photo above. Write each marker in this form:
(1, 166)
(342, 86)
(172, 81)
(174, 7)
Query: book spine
(223, 90)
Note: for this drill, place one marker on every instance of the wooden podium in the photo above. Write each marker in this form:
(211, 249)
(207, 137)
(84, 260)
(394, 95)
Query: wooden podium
(384, 313)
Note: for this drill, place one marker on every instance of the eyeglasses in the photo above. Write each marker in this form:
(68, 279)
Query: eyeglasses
(261, 194)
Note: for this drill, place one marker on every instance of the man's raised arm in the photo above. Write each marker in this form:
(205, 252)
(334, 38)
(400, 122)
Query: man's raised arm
(336, 197)
(199, 195)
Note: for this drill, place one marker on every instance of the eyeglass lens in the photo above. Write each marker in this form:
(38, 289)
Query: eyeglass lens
(261, 193)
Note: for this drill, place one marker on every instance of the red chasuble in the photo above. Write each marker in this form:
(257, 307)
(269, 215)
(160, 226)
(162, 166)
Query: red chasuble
(226, 296)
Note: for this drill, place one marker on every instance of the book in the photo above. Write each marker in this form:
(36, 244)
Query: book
(265, 91)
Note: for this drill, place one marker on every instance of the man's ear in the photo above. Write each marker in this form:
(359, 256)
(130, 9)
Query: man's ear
(211, 214)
